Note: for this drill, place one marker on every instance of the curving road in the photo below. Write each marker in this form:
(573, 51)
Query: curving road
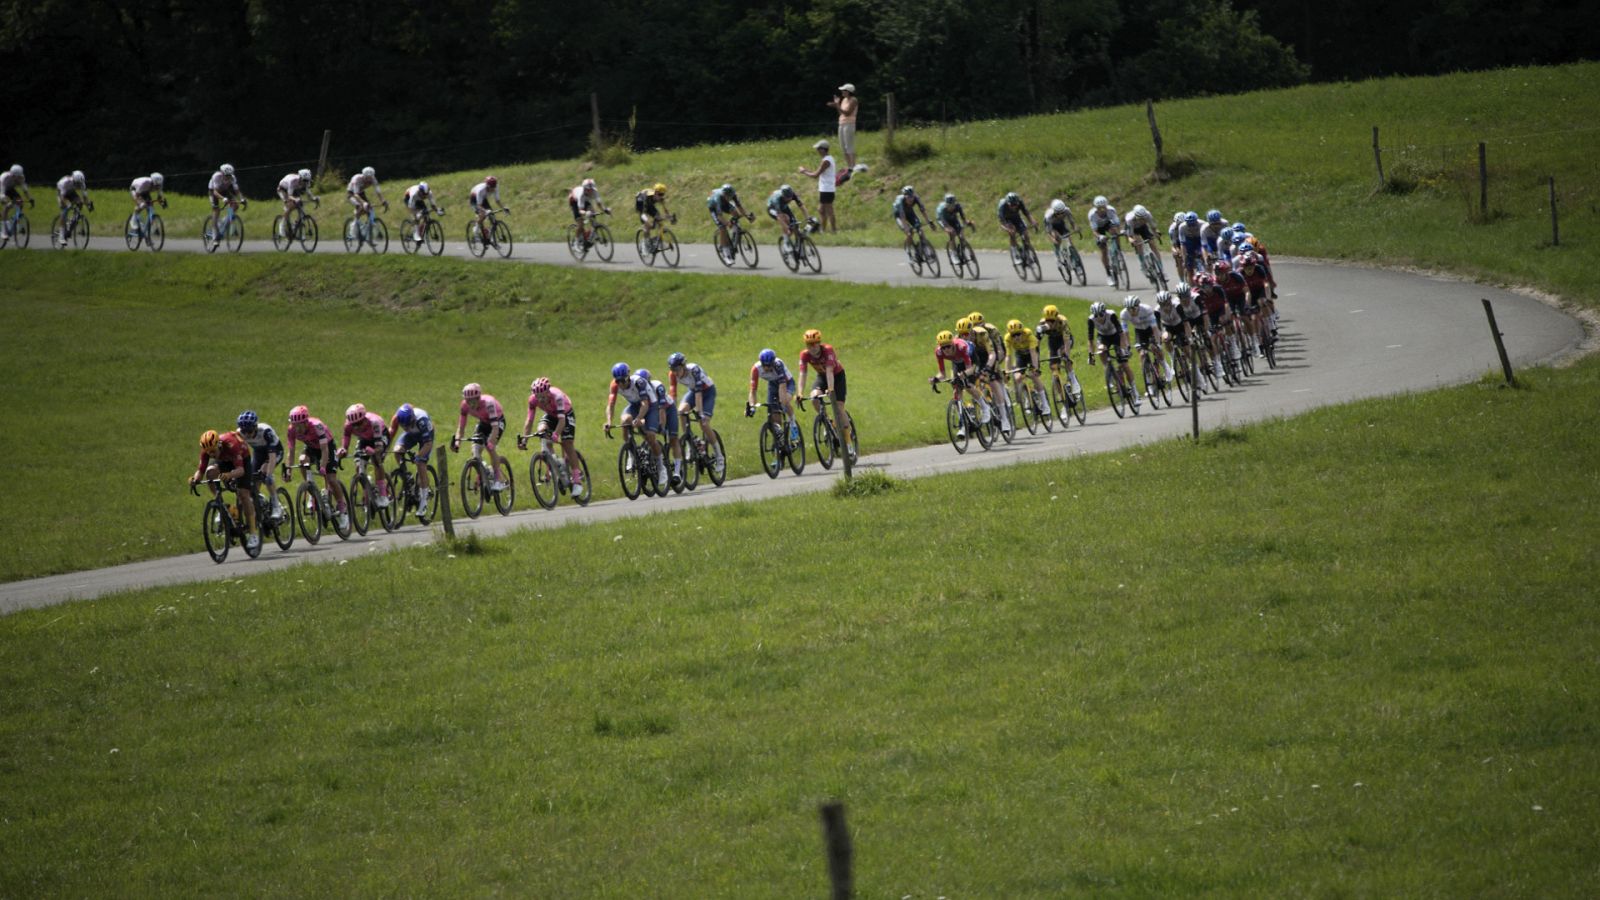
(1347, 333)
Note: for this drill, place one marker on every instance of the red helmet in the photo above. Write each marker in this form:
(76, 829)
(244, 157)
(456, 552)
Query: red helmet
(491, 181)
(1222, 267)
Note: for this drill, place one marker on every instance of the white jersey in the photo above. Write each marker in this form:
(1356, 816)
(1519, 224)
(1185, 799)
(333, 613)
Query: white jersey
(1134, 220)
(142, 185)
(1191, 307)
(480, 194)
(292, 185)
(1141, 316)
(1102, 219)
(1171, 316)
(10, 182)
(361, 183)
(66, 186)
(583, 200)
(1051, 215)
(223, 184)
(415, 198)
(694, 379)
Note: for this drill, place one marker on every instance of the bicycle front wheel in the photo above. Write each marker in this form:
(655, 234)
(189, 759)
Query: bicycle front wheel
(748, 250)
(822, 440)
(586, 489)
(341, 500)
(628, 471)
(308, 510)
(501, 232)
(602, 243)
(474, 485)
(809, 254)
(216, 528)
(914, 259)
(771, 461)
(669, 248)
(379, 238)
(1022, 402)
(308, 234)
(283, 525)
(1077, 266)
(693, 462)
(931, 255)
(433, 235)
(716, 462)
(402, 494)
(280, 235)
(157, 238)
(235, 235)
(971, 260)
(796, 452)
(79, 238)
(505, 500)
(360, 504)
(955, 425)
(1033, 264)
(1114, 390)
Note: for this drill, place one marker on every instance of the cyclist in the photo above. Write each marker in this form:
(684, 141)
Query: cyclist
(356, 192)
(1260, 248)
(1140, 226)
(822, 360)
(304, 427)
(223, 188)
(1106, 336)
(1218, 317)
(291, 188)
(1058, 221)
(227, 457)
(988, 339)
(906, 204)
(372, 435)
(414, 428)
(483, 198)
(266, 452)
(72, 192)
(12, 182)
(966, 370)
(1238, 293)
(1176, 242)
(1012, 213)
(724, 201)
(1106, 224)
(1143, 322)
(418, 200)
(651, 204)
(1194, 320)
(641, 410)
(700, 394)
(778, 207)
(951, 217)
(141, 189)
(585, 203)
(491, 424)
(1056, 336)
(558, 421)
(1211, 232)
(666, 420)
(1256, 279)
(1174, 328)
(780, 387)
(1024, 347)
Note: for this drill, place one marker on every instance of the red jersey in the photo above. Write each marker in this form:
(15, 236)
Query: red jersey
(959, 352)
(232, 453)
(822, 360)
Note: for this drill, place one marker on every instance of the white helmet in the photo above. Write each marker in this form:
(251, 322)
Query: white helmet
(1177, 216)
(1131, 301)
(78, 177)
(158, 179)
(1100, 202)
(369, 172)
(422, 186)
(1140, 211)
(1058, 205)
(305, 174)
(588, 185)
(227, 170)
(16, 169)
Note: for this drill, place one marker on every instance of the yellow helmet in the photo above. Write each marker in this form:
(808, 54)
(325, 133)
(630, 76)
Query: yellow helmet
(1015, 327)
(963, 325)
(660, 189)
(945, 338)
(813, 336)
(209, 442)
(975, 317)
(1050, 312)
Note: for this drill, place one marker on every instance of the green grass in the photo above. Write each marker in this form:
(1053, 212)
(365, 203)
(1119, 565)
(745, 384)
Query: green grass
(141, 354)
(1371, 674)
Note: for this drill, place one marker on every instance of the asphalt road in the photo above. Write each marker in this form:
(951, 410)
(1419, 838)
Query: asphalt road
(1346, 333)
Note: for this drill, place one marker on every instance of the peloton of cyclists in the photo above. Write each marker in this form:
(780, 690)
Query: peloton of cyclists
(1140, 320)
(1024, 347)
(964, 374)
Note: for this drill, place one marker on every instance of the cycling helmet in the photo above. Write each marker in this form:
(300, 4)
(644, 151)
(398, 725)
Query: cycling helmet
(785, 190)
(1191, 217)
(370, 172)
(620, 371)
(1013, 198)
(299, 415)
(1015, 327)
(209, 441)
(812, 336)
(472, 391)
(247, 420)
(908, 190)
(588, 185)
(355, 413)
(726, 189)
(227, 170)
(945, 338)
(1100, 202)
(768, 356)
(16, 169)
(1130, 301)
(1183, 292)
(1222, 267)
(660, 189)
(1058, 205)
(1097, 308)
(1140, 211)
(1050, 312)
(975, 317)
(949, 198)
(1214, 216)
(78, 177)
(491, 181)
(1177, 217)
(963, 325)
(305, 174)
(540, 385)
(406, 414)
(1164, 298)
(423, 187)
(675, 360)
(1238, 228)
(642, 373)
(158, 179)
(1239, 236)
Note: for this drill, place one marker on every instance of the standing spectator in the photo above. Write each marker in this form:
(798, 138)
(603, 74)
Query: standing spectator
(846, 102)
(826, 176)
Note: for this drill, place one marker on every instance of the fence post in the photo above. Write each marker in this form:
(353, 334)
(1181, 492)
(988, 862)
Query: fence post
(1500, 345)
(322, 158)
(1483, 180)
(1194, 387)
(1155, 135)
(836, 838)
(1555, 223)
(594, 115)
(444, 492)
(944, 127)
(889, 122)
(1377, 157)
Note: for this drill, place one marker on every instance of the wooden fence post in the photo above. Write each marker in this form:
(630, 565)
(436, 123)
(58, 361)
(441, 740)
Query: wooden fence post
(889, 122)
(1500, 345)
(836, 837)
(444, 492)
(1483, 180)
(594, 115)
(1155, 135)
(1555, 223)
(1377, 157)
(322, 158)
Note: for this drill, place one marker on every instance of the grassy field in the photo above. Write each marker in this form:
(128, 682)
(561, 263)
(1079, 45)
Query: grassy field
(1371, 673)
(147, 352)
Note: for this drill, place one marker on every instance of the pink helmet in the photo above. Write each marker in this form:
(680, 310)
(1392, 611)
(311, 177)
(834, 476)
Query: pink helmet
(472, 391)
(541, 386)
(299, 415)
(355, 413)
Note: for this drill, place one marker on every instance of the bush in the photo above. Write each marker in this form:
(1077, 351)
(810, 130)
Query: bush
(900, 153)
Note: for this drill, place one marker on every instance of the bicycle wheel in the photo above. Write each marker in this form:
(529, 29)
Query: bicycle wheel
(130, 232)
(501, 232)
(1114, 390)
(378, 240)
(402, 493)
(1163, 385)
(505, 500)
(433, 483)
(216, 528)
(58, 239)
(1019, 262)
(971, 259)
(1269, 345)
(21, 231)
(1184, 373)
(235, 235)
(542, 480)
(931, 255)
(727, 254)
(475, 244)
(283, 525)
(669, 248)
(628, 471)
(823, 441)
(79, 236)
(809, 254)
(1032, 263)
(1061, 406)
(308, 512)
(408, 236)
(1022, 404)
(341, 499)
(280, 238)
(914, 259)
(771, 460)
(693, 462)
(586, 489)
(352, 240)
(308, 234)
(1151, 378)
(955, 427)
(1124, 277)
(791, 260)
(1077, 266)
(359, 501)
(795, 452)
(433, 236)
(716, 462)
(952, 253)
(988, 432)
(261, 528)
(641, 243)
(749, 251)
(474, 484)
(602, 243)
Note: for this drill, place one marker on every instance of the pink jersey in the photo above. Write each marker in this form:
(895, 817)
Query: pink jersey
(487, 410)
(311, 431)
(958, 352)
(554, 402)
(368, 428)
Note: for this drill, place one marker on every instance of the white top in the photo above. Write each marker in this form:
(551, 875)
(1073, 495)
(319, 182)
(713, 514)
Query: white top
(65, 186)
(223, 184)
(360, 183)
(828, 181)
(291, 185)
(142, 185)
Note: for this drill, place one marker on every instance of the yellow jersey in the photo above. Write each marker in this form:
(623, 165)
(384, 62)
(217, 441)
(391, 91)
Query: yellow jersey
(1022, 342)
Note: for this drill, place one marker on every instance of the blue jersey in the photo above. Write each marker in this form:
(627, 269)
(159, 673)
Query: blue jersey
(722, 201)
(906, 207)
(949, 214)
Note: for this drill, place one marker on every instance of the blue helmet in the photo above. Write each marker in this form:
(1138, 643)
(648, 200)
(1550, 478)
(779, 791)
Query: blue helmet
(620, 371)
(768, 356)
(1238, 237)
(1190, 217)
(675, 360)
(1214, 216)
(1238, 227)
(642, 373)
(405, 415)
(247, 420)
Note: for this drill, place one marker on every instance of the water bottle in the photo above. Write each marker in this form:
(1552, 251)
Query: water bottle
(794, 431)
(233, 511)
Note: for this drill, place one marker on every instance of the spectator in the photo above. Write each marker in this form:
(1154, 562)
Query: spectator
(846, 102)
(826, 176)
